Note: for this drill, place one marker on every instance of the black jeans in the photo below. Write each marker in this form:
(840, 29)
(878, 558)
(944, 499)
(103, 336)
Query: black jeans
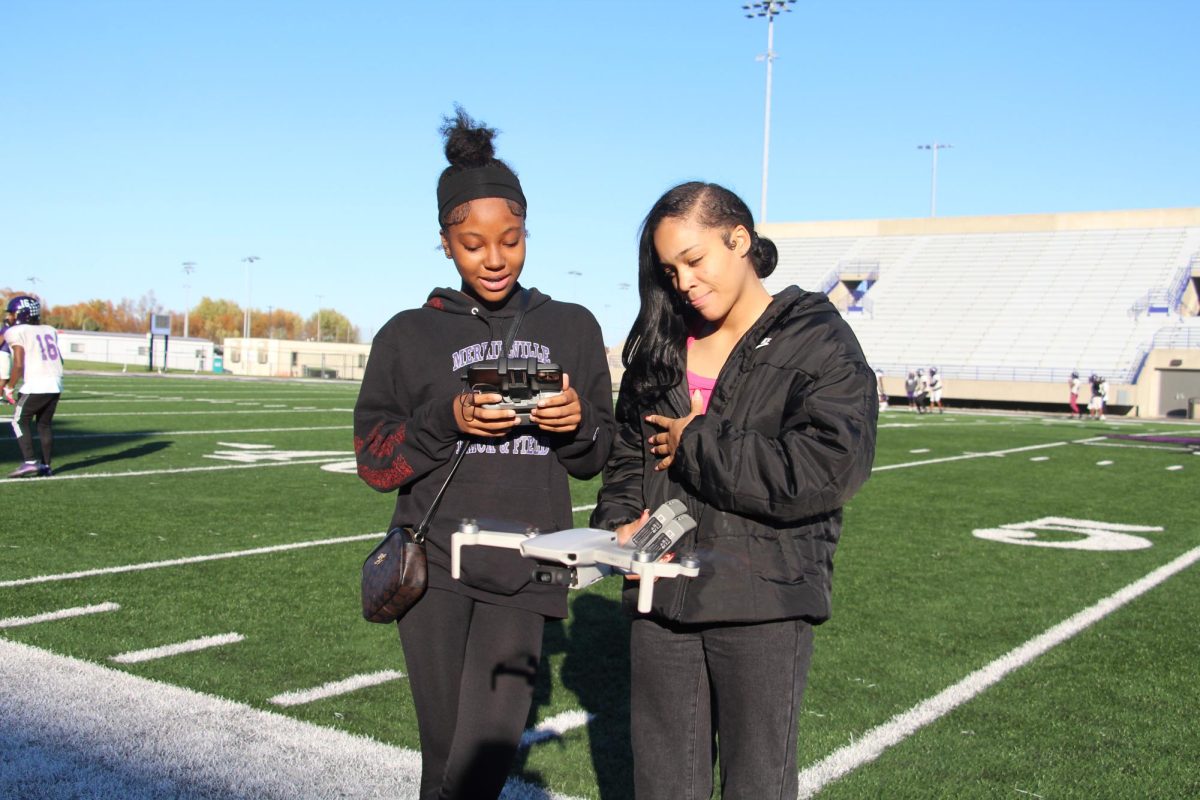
(472, 668)
(732, 688)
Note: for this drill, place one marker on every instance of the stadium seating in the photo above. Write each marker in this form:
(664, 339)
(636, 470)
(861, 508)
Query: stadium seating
(1011, 305)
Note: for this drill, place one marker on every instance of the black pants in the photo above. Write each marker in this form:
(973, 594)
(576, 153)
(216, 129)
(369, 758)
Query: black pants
(735, 689)
(38, 407)
(472, 667)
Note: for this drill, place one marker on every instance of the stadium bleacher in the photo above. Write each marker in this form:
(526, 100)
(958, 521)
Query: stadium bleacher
(1018, 298)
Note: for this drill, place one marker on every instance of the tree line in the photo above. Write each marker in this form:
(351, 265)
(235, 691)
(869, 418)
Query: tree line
(213, 319)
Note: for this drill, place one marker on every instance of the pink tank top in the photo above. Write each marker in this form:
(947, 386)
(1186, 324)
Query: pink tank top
(699, 382)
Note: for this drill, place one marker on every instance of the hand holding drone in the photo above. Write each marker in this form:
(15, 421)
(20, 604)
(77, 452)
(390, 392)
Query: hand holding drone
(579, 557)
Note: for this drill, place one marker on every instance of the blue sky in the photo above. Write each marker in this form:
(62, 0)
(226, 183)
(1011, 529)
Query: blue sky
(139, 135)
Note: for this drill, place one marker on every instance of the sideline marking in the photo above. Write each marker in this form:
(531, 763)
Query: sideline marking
(64, 613)
(142, 739)
(874, 742)
(1168, 448)
(555, 726)
(334, 688)
(166, 650)
(175, 562)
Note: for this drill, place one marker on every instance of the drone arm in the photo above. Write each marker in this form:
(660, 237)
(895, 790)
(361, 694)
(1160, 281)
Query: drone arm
(472, 535)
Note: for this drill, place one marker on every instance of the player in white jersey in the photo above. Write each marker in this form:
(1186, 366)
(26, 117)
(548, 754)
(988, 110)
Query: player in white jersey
(922, 391)
(935, 391)
(37, 367)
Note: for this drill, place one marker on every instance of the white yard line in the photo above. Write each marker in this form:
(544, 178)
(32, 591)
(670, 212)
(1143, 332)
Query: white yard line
(943, 460)
(175, 562)
(171, 471)
(224, 412)
(555, 726)
(78, 729)
(875, 741)
(335, 688)
(168, 650)
(62, 613)
(157, 434)
(968, 456)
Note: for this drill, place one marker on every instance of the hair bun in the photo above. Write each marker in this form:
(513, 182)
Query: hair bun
(765, 256)
(468, 143)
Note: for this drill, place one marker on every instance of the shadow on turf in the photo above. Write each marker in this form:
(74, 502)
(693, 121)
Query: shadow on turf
(595, 667)
(137, 451)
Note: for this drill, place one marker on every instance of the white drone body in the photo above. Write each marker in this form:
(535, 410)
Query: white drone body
(579, 557)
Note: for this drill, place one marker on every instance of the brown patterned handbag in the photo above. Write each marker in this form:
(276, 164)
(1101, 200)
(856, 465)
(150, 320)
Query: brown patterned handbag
(394, 576)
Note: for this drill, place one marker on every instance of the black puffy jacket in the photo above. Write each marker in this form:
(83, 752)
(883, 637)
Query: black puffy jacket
(788, 438)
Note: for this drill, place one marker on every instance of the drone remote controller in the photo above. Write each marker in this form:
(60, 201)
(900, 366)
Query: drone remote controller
(522, 382)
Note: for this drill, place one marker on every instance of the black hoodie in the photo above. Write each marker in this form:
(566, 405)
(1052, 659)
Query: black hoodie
(405, 434)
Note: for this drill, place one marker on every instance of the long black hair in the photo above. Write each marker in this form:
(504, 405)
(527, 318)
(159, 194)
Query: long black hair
(654, 355)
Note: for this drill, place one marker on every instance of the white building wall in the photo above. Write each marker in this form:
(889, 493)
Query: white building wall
(133, 350)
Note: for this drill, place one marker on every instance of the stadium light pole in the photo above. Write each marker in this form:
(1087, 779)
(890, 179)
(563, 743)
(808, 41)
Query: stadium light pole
(249, 262)
(769, 9)
(320, 297)
(934, 147)
(188, 268)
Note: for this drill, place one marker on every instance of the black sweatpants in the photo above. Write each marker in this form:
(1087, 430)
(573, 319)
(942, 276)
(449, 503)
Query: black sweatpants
(39, 407)
(732, 689)
(472, 667)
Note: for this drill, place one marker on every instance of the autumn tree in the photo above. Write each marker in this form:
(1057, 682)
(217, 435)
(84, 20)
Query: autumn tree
(213, 319)
(334, 327)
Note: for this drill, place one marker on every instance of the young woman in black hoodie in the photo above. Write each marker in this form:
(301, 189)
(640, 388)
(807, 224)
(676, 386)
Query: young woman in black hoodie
(472, 647)
(758, 412)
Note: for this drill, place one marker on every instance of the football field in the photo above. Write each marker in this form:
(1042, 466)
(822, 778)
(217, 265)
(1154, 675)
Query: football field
(1015, 605)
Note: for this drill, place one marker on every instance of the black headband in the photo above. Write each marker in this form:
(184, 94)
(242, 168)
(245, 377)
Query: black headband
(490, 180)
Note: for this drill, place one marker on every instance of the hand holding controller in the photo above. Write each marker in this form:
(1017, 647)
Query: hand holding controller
(521, 383)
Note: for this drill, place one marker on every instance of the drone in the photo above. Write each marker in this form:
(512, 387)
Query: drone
(578, 557)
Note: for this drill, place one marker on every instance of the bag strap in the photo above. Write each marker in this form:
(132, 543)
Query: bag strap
(461, 445)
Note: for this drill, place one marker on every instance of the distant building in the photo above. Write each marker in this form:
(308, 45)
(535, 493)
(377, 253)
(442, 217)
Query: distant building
(291, 358)
(133, 350)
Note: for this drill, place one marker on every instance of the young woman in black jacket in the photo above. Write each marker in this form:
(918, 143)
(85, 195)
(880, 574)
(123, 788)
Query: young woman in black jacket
(472, 647)
(759, 413)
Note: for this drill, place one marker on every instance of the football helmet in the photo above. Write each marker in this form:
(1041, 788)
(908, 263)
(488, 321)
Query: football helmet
(25, 309)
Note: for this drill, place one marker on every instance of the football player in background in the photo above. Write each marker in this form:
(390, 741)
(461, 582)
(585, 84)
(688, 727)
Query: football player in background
(38, 369)
(1096, 403)
(922, 396)
(935, 391)
(5, 360)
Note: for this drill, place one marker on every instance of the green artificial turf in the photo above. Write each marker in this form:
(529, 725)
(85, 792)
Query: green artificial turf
(919, 602)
